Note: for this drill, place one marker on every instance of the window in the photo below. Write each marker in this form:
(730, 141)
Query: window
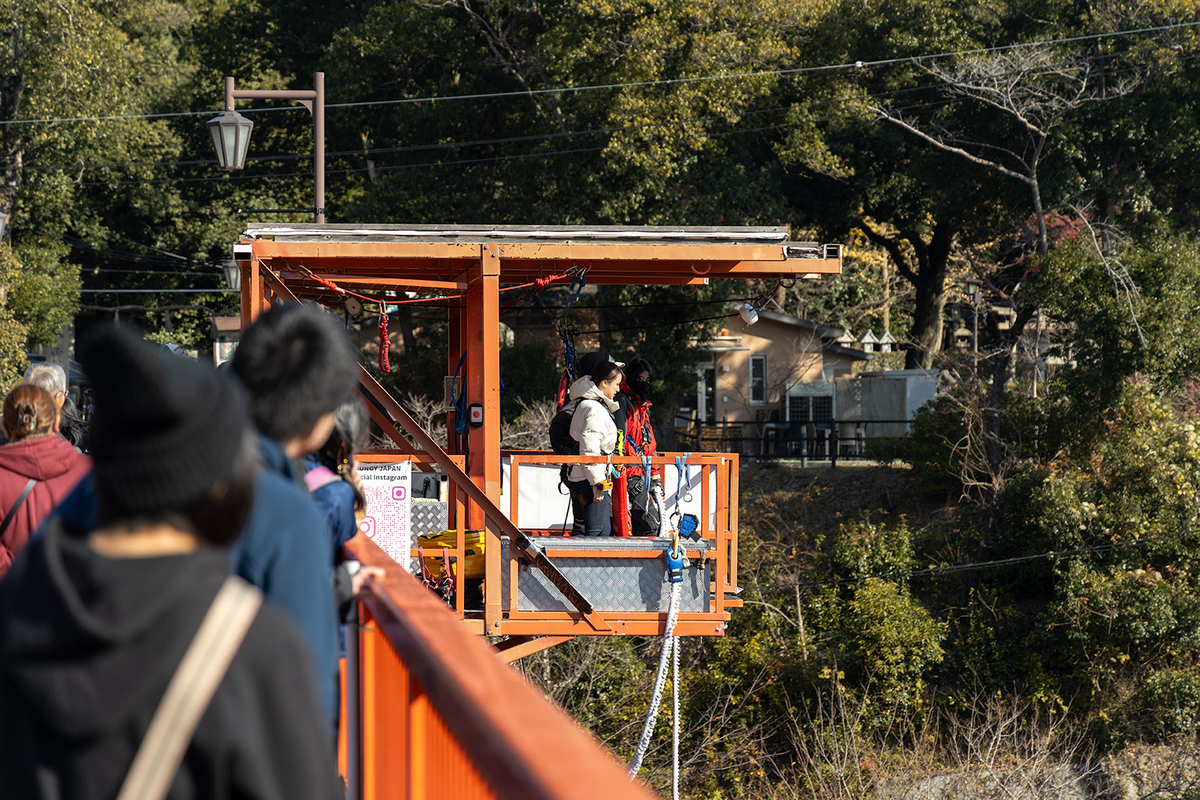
(799, 408)
(822, 409)
(758, 379)
(803, 408)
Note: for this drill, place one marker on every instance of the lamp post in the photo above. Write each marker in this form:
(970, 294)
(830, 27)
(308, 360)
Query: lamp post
(231, 131)
(973, 285)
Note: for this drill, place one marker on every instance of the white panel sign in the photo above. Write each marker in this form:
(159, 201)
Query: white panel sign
(387, 487)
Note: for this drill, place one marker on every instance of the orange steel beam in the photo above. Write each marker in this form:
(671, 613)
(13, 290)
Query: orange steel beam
(482, 383)
(413, 283)
(516, 647)
(386, 425)
(492, 512)
(482, 729)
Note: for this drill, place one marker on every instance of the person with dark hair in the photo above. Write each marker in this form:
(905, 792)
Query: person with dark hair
(110, 679)
(38, 468)
(634, 508)
(592, 425)
(330, 474)
(331, 477)
(299, 366)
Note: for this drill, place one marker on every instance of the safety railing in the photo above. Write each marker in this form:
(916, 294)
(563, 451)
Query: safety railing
(704, 484)
(433, 712)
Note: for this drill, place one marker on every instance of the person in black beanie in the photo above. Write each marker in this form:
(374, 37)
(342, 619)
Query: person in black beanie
(95, 620)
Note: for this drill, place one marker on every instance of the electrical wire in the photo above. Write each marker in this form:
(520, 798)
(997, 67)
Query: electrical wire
(967, 567)
(568, 134)
(522, 156)
(634, 84)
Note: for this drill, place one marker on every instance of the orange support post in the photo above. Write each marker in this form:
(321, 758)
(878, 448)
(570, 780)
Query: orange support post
(483, 387)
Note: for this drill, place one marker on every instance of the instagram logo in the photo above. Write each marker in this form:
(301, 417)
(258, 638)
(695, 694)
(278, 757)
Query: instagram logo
(399, 492)
(366, 526)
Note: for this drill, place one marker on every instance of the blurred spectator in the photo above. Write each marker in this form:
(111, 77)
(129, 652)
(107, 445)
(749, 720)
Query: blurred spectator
(333, 480)
(95, 621)
(38, 468)
(299, 366)
(330, 474)
(53, 378)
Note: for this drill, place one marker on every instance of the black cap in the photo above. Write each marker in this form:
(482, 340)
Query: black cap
(590, 362)
(165, 428)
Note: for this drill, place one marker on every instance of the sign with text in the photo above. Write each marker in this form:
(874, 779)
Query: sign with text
(388, 489)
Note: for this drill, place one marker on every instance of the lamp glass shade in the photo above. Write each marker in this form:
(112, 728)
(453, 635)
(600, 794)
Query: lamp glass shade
(233, 275)
(231, 137)
(972, 289)
(3, 222)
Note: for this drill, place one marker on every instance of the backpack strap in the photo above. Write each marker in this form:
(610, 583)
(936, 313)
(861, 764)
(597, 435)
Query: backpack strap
(8, 518)
(190, 691)
(317, 477)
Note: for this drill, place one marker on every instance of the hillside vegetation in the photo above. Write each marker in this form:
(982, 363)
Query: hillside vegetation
(889, 638)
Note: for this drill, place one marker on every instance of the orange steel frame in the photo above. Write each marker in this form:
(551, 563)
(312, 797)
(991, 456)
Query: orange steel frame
(281, 269)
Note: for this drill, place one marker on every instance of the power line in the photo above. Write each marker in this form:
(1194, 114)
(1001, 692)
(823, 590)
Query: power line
(492, 159)
(635, 84)
(967, 567)
(557, 134)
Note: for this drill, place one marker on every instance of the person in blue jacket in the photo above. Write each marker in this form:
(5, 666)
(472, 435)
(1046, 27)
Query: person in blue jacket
(298, 365)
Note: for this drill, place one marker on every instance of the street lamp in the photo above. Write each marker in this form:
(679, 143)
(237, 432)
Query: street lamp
(3, 223)
(231, 136)
(973, 285)
(233, 275)
(231, 131)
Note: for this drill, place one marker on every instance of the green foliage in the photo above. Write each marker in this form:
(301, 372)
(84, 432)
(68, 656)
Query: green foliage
(12, 332)
(1129, 601)
(895, 642)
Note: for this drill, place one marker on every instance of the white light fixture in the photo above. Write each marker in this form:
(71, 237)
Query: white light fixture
(748, 314)
(233, 275)
(231, 136)
(3, 222)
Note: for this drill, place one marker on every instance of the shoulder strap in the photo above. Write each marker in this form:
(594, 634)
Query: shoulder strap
(8, 518)
(190, 691)
(317, 477)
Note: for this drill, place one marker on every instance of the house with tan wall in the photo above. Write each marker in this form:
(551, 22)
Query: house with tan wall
(779, 370)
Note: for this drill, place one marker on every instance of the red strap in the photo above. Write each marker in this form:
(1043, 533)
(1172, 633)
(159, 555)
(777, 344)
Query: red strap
(384, 365)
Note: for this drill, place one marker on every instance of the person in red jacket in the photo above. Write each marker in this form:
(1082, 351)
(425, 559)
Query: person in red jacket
(38, 468)
(634, 508)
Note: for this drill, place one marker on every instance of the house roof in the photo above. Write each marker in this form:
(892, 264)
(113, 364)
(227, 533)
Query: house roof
(824, 331)
(849, 352)
(829, 335)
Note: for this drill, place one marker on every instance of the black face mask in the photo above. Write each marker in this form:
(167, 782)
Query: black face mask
(641, 389)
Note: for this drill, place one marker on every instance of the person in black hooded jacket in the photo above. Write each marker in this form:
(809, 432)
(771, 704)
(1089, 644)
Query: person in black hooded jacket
(94, 622)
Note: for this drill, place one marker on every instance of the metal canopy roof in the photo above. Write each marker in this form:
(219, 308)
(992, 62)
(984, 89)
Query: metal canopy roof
(519, 233)
(449, 257)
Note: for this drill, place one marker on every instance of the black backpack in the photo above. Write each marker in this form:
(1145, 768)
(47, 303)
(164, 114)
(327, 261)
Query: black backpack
(561, 441)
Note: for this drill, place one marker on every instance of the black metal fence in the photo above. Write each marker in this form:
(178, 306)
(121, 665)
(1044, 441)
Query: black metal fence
(832, 441)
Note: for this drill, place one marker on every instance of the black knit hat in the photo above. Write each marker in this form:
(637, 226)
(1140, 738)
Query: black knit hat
(165, 428)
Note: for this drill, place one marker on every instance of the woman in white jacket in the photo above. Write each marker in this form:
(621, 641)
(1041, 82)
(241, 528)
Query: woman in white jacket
(592, 425)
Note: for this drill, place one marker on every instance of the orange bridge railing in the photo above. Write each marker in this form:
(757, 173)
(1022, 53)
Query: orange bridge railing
(432, 711)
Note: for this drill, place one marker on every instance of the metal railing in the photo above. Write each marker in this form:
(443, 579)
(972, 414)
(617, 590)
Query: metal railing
(823, 441)
(434, 712)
